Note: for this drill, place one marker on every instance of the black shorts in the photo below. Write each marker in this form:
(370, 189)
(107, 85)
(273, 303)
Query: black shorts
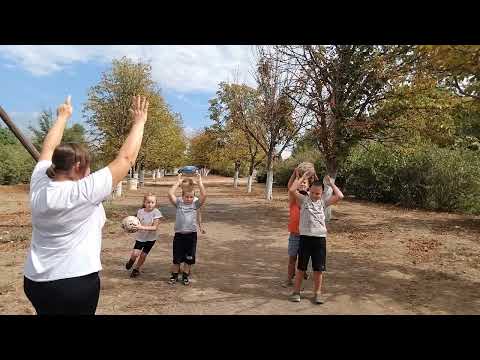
(312, 247)
(73, 296)
(145, 246)
(184, 248)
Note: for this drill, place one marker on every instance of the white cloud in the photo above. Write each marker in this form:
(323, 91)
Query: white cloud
(190, 131)
(175, 67)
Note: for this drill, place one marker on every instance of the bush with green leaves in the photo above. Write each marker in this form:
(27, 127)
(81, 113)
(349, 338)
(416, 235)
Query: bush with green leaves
(423, 176)
(16, 164)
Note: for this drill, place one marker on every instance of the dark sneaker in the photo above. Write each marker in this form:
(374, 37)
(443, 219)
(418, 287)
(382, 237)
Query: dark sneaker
(129, 264)
(135, 273)
(185, 279)
(173, 279)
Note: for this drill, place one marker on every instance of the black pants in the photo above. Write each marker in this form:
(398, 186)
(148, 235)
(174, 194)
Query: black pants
(73, 296)
(144, 246)
(184, 248)
(312, 247)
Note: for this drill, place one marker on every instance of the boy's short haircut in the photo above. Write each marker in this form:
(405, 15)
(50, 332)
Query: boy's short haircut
(187, 186)
(317, 183)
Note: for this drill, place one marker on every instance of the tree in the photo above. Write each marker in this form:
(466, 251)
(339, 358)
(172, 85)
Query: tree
(456, 66)
(341, 86)
(203, 148)
(420, 112)
(73, 134)
(6, 137)
(16, 164)
(107, 111)
(276, 120)
(233, 108)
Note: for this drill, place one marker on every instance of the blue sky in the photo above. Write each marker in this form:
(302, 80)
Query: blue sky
(37, 77)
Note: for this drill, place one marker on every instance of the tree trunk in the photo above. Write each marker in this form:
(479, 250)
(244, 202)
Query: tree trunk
(118, 190)
(237, 171)
(251, 169)
(235, 179)
(269, 184)
(142, 177)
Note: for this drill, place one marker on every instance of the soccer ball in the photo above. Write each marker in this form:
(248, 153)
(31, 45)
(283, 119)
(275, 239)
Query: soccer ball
(129, 223)
(304, 167)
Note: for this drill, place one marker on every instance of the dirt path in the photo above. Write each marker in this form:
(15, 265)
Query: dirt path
(381, 259)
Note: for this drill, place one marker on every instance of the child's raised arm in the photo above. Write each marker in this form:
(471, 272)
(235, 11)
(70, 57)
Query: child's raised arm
(337, 194)
(203, 193)
(171, 192)
(292, 190)
(199, 221)
(290, 182)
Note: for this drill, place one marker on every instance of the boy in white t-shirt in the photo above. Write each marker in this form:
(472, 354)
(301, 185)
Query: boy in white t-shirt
(146, 235)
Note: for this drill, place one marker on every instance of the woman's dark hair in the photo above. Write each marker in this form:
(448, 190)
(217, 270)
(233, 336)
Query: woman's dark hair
(66, 156)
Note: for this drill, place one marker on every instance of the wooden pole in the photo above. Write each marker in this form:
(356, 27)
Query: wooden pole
(27, 144)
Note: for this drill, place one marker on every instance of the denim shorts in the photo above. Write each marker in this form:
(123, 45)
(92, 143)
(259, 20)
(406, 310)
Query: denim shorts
(293, 244)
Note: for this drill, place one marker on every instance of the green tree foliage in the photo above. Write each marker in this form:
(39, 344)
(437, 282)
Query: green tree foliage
(341, 86)
(74, 133)
(233, 111)
(456, 66)
(107, 111)
(16, 164)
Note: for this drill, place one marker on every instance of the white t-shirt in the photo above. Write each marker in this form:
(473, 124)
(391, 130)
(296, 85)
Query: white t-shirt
(312, 217)
(67, 221)
(186, 216)
(147, 218)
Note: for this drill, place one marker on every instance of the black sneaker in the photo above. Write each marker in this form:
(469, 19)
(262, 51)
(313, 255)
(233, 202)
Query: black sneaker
(134, 273)
(185, 279)
(173, 279)
(129, 264)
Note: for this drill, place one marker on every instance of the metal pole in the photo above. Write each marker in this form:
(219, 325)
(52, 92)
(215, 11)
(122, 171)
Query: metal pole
(27, 144)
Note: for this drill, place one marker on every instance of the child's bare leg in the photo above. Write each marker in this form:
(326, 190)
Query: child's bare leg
(317, 282)
(141, 260)
(133, 257)
(292, 260)
(176, 268)
(298, 281)
(187, 268)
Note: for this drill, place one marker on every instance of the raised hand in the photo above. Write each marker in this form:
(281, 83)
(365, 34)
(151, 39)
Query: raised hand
(139, 109)
(296, 171)
(65, 110)
(308, 174)
(329, 180)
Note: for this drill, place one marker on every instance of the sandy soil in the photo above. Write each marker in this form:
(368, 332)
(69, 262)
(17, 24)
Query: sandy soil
(381, 259)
